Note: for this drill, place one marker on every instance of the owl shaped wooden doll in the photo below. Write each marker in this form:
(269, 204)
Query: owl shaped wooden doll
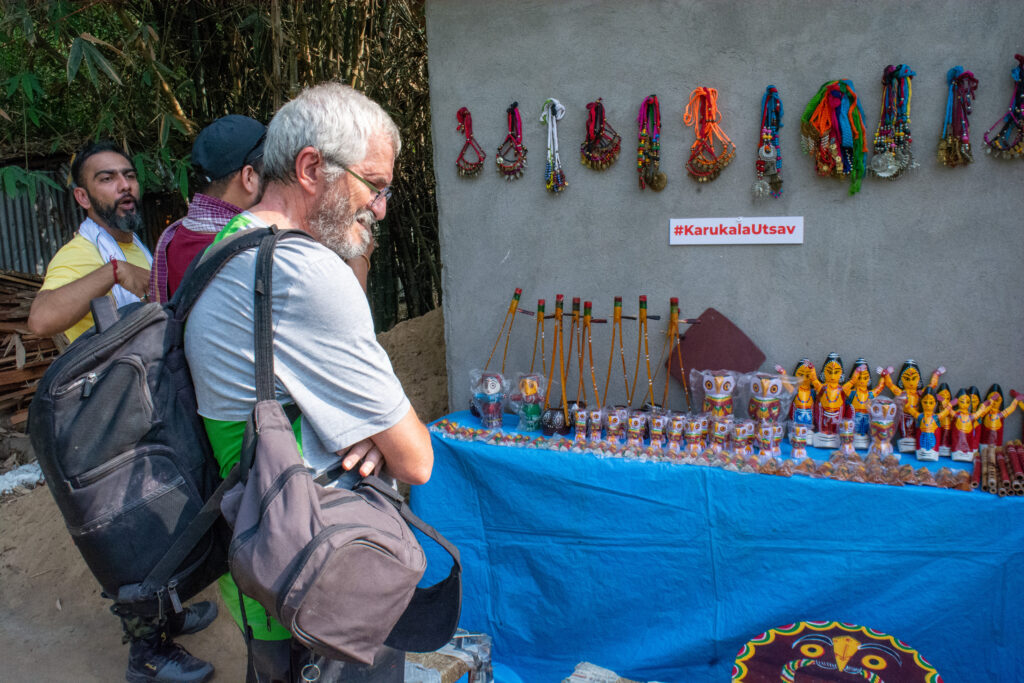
(595, 421)
(615, 424)
(884, 413)
(529, 400)
(489, 392)
(676, 428)
(718, 433)
(766, 392)
(847, 434)
(799, 435)
(657, 421)
(580, 418)
(635, 425)
(766, 439)
(742, 437)
(718, 387)
(693, 435)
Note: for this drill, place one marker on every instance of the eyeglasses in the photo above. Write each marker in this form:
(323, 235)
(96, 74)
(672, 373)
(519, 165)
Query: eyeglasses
(384, 194)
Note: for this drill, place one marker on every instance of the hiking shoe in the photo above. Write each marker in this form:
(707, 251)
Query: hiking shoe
(194, 619)
(164, 661)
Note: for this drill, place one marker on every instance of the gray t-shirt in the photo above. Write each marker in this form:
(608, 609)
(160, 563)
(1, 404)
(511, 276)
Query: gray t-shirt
(326, 356)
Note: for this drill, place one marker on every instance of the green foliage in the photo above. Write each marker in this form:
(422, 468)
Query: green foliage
(151, 73)
(15, 180)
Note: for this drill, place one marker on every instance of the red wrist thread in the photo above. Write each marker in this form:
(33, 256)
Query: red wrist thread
(113, 264)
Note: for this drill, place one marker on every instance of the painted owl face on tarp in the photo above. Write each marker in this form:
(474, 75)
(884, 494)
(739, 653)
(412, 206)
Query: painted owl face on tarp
(830, 651)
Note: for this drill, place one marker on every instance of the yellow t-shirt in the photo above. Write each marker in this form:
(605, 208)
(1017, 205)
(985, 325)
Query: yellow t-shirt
(75, 260)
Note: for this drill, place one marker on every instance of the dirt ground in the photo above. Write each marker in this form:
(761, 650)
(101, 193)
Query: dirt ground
(55, 626)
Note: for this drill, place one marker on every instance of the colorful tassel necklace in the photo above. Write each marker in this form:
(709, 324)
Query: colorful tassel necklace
(554, 177)
(893, 155)
(769, 158)
(601, 148)
(832, 131)
(705, 162)
(648, 157)
(955, 143)
(511, 156)
(1009, 141)
(465, 166)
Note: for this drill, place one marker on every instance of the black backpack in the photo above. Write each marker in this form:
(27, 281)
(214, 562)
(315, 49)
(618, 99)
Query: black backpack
(115, 428)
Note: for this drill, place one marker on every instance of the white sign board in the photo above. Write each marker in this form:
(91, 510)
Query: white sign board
(759, 230)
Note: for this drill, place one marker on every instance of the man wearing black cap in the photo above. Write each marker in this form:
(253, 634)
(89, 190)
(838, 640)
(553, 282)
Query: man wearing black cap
(228, 157)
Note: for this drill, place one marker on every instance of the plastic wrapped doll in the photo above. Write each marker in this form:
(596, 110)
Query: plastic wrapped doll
(962, 428)
(858, 399)
(528, 400)
(766, 440)
(580, 418)
(929, 424)
(718, 434)
(675, 430)
(693, 435)
(742, 437)
(799, 435)
(801, 411)
(657, 421)
(847, 432)
(992, 422)
(908, 385)
(830, 402)
(595, 421)
(636, 423)
(615, 424)
(718, 387)
(767, 393)
(489, 392)
(884, 414)
(943, 395)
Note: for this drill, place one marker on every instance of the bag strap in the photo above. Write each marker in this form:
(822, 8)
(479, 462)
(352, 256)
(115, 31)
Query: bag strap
(382, 487)
(201, 271)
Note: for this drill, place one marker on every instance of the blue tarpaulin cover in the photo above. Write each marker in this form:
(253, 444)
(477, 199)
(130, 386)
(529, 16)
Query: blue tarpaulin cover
(663, 571)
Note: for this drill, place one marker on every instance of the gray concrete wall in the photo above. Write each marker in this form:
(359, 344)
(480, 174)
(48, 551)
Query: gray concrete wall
(926, 267)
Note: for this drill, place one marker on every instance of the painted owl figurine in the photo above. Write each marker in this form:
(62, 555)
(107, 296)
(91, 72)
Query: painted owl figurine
(528, 401)
(799, 435)
(657, 422)
(693, 435)
(595, 421)
(718, 434)
(884, 414)
(766, 393)
(635, 425)
(580, 417)
(676, 427)
(718, 387)
(742, 436)
(615, 424)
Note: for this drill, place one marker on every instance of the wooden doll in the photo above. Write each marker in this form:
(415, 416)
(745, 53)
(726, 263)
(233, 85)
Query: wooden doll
(908, 385)
(992, 422)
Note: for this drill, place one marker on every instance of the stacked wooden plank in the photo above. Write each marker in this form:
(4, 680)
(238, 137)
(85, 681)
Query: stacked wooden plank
(24, 357)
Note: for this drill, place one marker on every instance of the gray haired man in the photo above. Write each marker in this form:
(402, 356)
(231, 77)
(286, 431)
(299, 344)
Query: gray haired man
(328, 163)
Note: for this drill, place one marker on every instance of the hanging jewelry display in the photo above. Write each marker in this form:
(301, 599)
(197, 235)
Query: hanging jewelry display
(554, 177)
(648, 151)
(467, 167)
(955, 143)
(893, 156)
(832, 131)
(705, 163)
(601, 148)
(1009, 141)
(768, 166)
(511, 156)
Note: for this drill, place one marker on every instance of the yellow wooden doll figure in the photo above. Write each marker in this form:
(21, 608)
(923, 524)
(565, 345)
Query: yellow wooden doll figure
(964, 422)
(992, 422)
(858, 399)
(908, 385)
(801, 410)
(944, 395)
(929, 424)
(831, 398)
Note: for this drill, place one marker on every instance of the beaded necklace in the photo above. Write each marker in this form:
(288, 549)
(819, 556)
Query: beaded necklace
(702, 113)
(554, 177)
(769, 158)
(832, 131)
(955, 143)
(601, 148)
(512, 168)
(648, 123)
(465, 166)
(1009, 141)
(893, 156)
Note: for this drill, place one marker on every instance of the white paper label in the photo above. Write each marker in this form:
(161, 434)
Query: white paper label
(759, 230)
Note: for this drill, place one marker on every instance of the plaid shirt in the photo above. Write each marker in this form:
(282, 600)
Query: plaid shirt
(205, 214)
